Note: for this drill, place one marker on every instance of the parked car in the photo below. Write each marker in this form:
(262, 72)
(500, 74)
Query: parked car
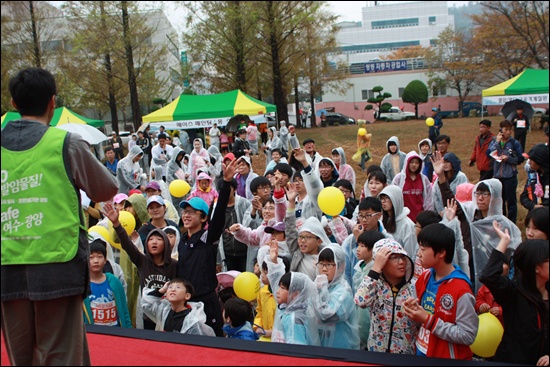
(334, 118)
(394, 114)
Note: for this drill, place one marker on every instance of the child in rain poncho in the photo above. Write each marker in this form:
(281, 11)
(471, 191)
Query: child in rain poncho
(128, 171)
(294, 319)
(333, 304)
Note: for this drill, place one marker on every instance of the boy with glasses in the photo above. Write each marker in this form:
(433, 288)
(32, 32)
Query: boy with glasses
(198, 249)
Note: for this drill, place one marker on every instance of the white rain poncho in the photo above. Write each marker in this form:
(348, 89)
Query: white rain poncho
(305, 263)
(294, 321)
(128, 172)
(484, 237)
(404, 226)
(334, 307)
(157, 309)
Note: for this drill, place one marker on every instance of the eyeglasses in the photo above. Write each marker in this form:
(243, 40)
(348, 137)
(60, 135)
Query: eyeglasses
(397, 258)
(269, 208)
(188, 212)
(303, 238)
(482, 194)
(326, 266)
(345, 191)
(366, 216)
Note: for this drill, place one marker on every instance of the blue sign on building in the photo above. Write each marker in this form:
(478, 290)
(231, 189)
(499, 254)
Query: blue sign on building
(388, 65)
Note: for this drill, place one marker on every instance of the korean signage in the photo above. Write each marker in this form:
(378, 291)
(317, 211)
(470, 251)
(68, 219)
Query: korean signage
(500, 100)
(389, 65)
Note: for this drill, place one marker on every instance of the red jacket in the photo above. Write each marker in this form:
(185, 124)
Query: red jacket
(484, 295)
(479, 154)
(454, 296)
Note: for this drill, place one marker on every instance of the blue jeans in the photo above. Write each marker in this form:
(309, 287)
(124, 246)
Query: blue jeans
(365, 157)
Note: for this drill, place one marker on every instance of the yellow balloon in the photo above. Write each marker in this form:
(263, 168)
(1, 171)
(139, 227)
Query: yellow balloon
(103, 232)
(430, 121)
(331, 201)
(362, 131)
(179, 188)
(489, 335)
(115, 241)
(127, 221)
(247, 286)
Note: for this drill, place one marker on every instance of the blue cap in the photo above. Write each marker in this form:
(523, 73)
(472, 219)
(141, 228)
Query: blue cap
(434, 109)
(195, 203)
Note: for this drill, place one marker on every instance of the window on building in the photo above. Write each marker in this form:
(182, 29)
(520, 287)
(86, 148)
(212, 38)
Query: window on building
(401, 90)
(431, 20)
(366, 94)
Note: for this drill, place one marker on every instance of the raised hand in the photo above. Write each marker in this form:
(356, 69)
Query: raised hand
(273, 250)
(291, 192)
(450, 209)
(300, 155)
(438, 163)
(111, 213)
(229, 170)
(382, 257)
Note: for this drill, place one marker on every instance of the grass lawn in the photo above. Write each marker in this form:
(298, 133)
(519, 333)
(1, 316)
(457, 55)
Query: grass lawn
(462, 131)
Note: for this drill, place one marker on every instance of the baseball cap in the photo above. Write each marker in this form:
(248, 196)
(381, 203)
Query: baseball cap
(308, 140)
(279, 227)
(434, 109)
(153, 185)
(246, 159)
(134, 191)
(195, 203)
(155, 199)
(120, 198)
(229, 156)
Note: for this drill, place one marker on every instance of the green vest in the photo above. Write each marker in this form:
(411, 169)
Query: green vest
(40, 205)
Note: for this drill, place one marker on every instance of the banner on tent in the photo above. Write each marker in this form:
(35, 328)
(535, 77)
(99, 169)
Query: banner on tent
(500, 100)
(190, 124)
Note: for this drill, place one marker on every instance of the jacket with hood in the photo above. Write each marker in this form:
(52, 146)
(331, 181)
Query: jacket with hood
(174, 169)
(295, 320)
(482, 236)
(197, 160)
(334, 307)
(158, 308)
(210, 195)
(427, 168)
(243, 332)
(536, 190)
(387, 165)
(402, 177)
(452, 325)
(128, 171)
(345, 171)
(251, 175)
(215, 166)
(273, 143)
(151, 275)
(458, 178)
(335, 175)
(304, 263)
(284, 135)
(390, 330)
(479, 155)
(239, 146)
(404, 226)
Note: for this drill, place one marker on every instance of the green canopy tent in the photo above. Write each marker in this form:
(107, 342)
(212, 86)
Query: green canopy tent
(531, 85)
(202, 111)
(62, 115)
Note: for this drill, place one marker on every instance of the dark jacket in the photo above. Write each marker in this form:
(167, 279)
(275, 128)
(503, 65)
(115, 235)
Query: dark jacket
(525, 337)
(239, 146)
(198, 253)
(528, 198)
(150, 275)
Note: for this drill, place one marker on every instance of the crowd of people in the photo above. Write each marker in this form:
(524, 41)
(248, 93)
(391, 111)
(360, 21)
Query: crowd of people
(404, 268)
